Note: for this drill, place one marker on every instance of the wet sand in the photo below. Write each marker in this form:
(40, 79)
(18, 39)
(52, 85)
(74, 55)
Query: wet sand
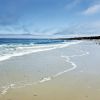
(70, 73)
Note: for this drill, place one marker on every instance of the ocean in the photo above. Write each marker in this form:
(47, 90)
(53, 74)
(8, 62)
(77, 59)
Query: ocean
(17, 47)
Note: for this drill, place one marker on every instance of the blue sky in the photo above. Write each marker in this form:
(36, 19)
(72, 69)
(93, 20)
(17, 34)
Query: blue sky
(50, 17)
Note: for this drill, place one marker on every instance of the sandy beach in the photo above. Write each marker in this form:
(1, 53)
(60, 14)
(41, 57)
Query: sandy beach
(68, 73)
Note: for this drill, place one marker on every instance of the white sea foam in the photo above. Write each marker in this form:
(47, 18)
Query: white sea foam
(79, 55)
(68, 60)
(5, 91)
(45, 79)
(24, 50)
(6, 88)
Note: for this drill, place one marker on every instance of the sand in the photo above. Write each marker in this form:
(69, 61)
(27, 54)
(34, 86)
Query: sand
(70, 73)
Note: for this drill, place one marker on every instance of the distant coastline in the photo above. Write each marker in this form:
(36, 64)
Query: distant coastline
(81, 38)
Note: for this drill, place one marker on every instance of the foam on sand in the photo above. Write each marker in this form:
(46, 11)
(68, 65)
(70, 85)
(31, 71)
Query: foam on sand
(68, 60)
(7, 88)
(45, 79)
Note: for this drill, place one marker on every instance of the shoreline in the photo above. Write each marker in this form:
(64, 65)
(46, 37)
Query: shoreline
(42, 49)
(66, 73)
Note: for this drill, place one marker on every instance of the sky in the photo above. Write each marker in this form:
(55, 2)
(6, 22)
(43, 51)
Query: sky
(50, 17)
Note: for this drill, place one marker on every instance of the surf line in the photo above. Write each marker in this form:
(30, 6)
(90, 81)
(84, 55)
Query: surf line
(47, 48)
(68, 60)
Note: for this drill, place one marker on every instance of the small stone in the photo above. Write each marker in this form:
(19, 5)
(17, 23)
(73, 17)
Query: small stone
(86, 96)
(35, 95)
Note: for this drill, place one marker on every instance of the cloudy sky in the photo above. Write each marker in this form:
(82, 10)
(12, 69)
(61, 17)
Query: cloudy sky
(47, 17)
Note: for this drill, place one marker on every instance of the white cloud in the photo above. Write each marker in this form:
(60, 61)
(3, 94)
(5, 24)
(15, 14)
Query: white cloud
(92, 10)
(86, 28)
